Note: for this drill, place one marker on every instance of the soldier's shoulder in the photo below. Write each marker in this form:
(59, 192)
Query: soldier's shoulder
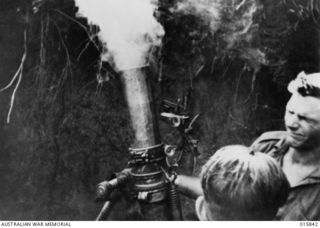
(268, 141)
(271, 136)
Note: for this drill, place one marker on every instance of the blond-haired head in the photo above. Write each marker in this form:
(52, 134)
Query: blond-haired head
(239, 184)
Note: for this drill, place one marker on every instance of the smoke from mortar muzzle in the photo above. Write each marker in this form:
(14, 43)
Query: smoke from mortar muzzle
(128, 29)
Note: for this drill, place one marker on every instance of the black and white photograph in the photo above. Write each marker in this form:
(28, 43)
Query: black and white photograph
(159, 110)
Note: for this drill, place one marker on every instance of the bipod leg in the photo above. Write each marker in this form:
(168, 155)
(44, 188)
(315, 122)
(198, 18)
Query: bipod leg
(105, 211)
(175, 204)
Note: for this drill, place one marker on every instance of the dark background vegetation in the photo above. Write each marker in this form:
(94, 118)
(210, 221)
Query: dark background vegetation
(68, 130)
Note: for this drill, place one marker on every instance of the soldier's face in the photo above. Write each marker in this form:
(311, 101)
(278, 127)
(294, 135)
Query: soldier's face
(302, 120)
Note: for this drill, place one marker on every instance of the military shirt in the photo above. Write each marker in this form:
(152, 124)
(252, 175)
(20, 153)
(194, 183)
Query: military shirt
(303, 202)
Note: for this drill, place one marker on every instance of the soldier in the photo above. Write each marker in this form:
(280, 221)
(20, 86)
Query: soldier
(298, 149)
(238, 184)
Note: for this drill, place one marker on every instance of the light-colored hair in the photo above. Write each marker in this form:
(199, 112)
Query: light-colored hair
(243, 184)
(306, 84)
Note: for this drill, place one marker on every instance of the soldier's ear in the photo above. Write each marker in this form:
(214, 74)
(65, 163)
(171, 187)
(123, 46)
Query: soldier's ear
(201, 208)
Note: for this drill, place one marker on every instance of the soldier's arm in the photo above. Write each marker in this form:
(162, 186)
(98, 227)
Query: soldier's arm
(189, 186)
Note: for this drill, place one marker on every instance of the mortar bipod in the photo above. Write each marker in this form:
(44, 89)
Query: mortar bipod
(145, 180)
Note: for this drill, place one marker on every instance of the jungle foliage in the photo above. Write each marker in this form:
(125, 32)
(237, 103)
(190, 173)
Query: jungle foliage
(69, 125)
